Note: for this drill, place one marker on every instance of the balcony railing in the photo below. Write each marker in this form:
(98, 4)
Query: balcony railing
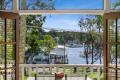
(71, 71)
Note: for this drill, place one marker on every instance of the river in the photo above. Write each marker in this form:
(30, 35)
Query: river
(74, 56)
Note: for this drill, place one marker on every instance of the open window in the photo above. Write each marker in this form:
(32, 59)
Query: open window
(111, 45)
(9, 39)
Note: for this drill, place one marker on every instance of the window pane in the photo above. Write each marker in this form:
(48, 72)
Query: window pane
(112, 31)
(115, 4)
(10, 30)
(61, 4)
(118, 30)
(6, 4)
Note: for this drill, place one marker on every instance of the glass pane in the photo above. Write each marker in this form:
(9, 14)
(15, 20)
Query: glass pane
(2, 30)
(10, 49)
(118, 29)
(61, 4)
(2, 61)
(115, 4)
(112, 62)
(10, 62)
(6, 4)
(112, 30)
(10, 25)
(114, 47)
(10, 31)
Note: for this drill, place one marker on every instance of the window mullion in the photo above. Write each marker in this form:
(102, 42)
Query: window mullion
(15, 5)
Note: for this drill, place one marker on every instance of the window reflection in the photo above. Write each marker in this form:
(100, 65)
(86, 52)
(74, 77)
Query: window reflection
(6, 4)
(61, 4)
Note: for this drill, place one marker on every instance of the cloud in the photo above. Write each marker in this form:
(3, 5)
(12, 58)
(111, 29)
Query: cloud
(62, 23)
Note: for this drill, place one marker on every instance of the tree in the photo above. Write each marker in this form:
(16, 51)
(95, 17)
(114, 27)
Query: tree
(116, 5)
(93, 41)
(47, 43)
(34, 24)
(99, 25)
(85, 25)
(41, 5)
(37, 41)
(4, 4)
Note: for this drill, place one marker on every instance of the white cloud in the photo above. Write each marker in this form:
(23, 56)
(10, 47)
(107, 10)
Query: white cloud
(67, 24)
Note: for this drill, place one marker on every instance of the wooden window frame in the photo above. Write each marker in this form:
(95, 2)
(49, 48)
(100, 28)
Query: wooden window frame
(15, 17)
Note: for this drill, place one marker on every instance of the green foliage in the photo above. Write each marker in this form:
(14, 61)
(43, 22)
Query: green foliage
(36, 40)
(33, 34)
(25, 77)
(10, 37)
(47, 43)
(94, 76)
(4, 4)
(92, 26)
(41, 5)
(116, 4)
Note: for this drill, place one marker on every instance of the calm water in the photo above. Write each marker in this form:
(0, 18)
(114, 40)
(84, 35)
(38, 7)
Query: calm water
(74, 56)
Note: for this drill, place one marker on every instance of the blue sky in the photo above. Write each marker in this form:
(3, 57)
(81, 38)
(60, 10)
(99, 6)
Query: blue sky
(74, 4)
(62, 21)
(70, 21)
(78, 4)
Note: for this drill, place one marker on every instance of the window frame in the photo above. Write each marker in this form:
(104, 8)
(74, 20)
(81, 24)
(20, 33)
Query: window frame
(106, 9)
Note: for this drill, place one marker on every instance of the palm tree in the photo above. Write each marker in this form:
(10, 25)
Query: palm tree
(99, 25)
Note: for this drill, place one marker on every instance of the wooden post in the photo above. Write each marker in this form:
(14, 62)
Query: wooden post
(17, 49)
(105, 49)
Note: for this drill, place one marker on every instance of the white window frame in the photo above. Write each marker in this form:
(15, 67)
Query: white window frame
(106, 9)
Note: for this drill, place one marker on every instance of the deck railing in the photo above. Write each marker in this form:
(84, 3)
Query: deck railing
(71, 70)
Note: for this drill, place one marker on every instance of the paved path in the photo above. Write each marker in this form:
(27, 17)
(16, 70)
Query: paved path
(52, 78)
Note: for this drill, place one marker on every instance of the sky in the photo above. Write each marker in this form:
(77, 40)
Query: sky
(78, 4)
(74, 4)
(62, 22)
(70, 21)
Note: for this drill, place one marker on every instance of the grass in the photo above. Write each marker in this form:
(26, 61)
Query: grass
(25, 77)
(94, 76)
